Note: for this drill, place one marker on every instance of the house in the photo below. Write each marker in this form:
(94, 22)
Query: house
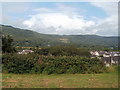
(106, 61)
(109, 58)
(106, 55)
(25, 52)
(98, 53)
(116, 60)
(94, 53)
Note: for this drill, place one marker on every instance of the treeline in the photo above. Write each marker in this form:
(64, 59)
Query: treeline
(49, 60)
(68, 50)
(63, 51)
(34, 63)
(9, 46)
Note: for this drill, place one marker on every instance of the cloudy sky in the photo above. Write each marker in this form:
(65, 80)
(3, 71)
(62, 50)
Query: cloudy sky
(63, 18)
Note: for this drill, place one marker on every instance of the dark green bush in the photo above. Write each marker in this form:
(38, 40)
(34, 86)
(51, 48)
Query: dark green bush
(38, 68)
(33, 63)
(14, 63)
(63, 51)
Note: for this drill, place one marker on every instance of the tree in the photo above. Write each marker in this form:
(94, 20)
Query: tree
(7, 44)
(63, 51)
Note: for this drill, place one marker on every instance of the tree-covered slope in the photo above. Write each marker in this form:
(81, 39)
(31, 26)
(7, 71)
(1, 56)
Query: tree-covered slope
(24, 37)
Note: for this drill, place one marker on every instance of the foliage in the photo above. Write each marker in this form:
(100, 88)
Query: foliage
(33, 63)
(42, 51)
(14, 63)
(7, 44)
(63, 51)
(30, 38)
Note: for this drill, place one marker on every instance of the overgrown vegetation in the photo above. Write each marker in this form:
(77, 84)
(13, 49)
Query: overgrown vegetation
(63, 51)
(33, 63)
(57, 59)
(7, 44)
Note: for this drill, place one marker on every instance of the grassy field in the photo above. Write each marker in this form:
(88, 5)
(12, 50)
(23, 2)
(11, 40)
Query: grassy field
(106, 80)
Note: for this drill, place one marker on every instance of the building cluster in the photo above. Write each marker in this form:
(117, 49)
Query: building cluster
(109, 58)
(25, 51)
(64, 40)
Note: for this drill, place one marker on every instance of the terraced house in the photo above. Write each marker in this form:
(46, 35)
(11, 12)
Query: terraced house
(109, 58)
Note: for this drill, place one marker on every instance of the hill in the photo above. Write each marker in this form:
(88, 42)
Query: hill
(23, 37)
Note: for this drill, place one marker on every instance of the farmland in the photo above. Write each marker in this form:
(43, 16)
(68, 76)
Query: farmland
(59, 45)
(104, 80)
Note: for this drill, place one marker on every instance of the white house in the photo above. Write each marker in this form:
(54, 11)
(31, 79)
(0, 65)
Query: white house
(25, 52)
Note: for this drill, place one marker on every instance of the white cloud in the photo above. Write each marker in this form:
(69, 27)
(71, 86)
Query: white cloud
(11, 12)
(65, 19)
(109, 25)
(16, 22)
(68, 21)
(109, 7)
(61, 20)
(58, 23)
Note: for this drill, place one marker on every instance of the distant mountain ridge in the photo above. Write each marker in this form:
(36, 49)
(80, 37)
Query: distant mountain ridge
(25, 37)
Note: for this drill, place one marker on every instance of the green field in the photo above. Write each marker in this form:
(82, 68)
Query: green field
(105, 80)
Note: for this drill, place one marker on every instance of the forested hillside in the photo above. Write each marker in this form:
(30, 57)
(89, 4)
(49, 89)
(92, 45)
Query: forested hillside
(24, 37)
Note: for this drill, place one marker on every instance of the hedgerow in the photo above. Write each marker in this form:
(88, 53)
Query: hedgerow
(34, 63)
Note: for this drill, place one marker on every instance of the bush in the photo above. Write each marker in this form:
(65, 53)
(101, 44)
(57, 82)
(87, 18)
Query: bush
(63, 51)
(38, 68)
(14, 63)
(33, 63)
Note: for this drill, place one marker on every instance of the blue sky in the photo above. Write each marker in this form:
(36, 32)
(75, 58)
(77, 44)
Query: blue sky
(88, 9)
(66, 18)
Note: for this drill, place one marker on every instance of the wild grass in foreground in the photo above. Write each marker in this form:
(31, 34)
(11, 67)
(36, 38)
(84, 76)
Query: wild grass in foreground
(104, 80)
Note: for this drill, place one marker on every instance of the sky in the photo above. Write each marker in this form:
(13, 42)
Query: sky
(62, 18)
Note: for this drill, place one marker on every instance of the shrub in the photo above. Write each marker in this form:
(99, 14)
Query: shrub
(34, 63)
(63, 51)
(38, 68)
(14, 63)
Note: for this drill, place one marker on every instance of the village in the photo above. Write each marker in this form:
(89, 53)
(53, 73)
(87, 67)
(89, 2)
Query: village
(108, 57)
